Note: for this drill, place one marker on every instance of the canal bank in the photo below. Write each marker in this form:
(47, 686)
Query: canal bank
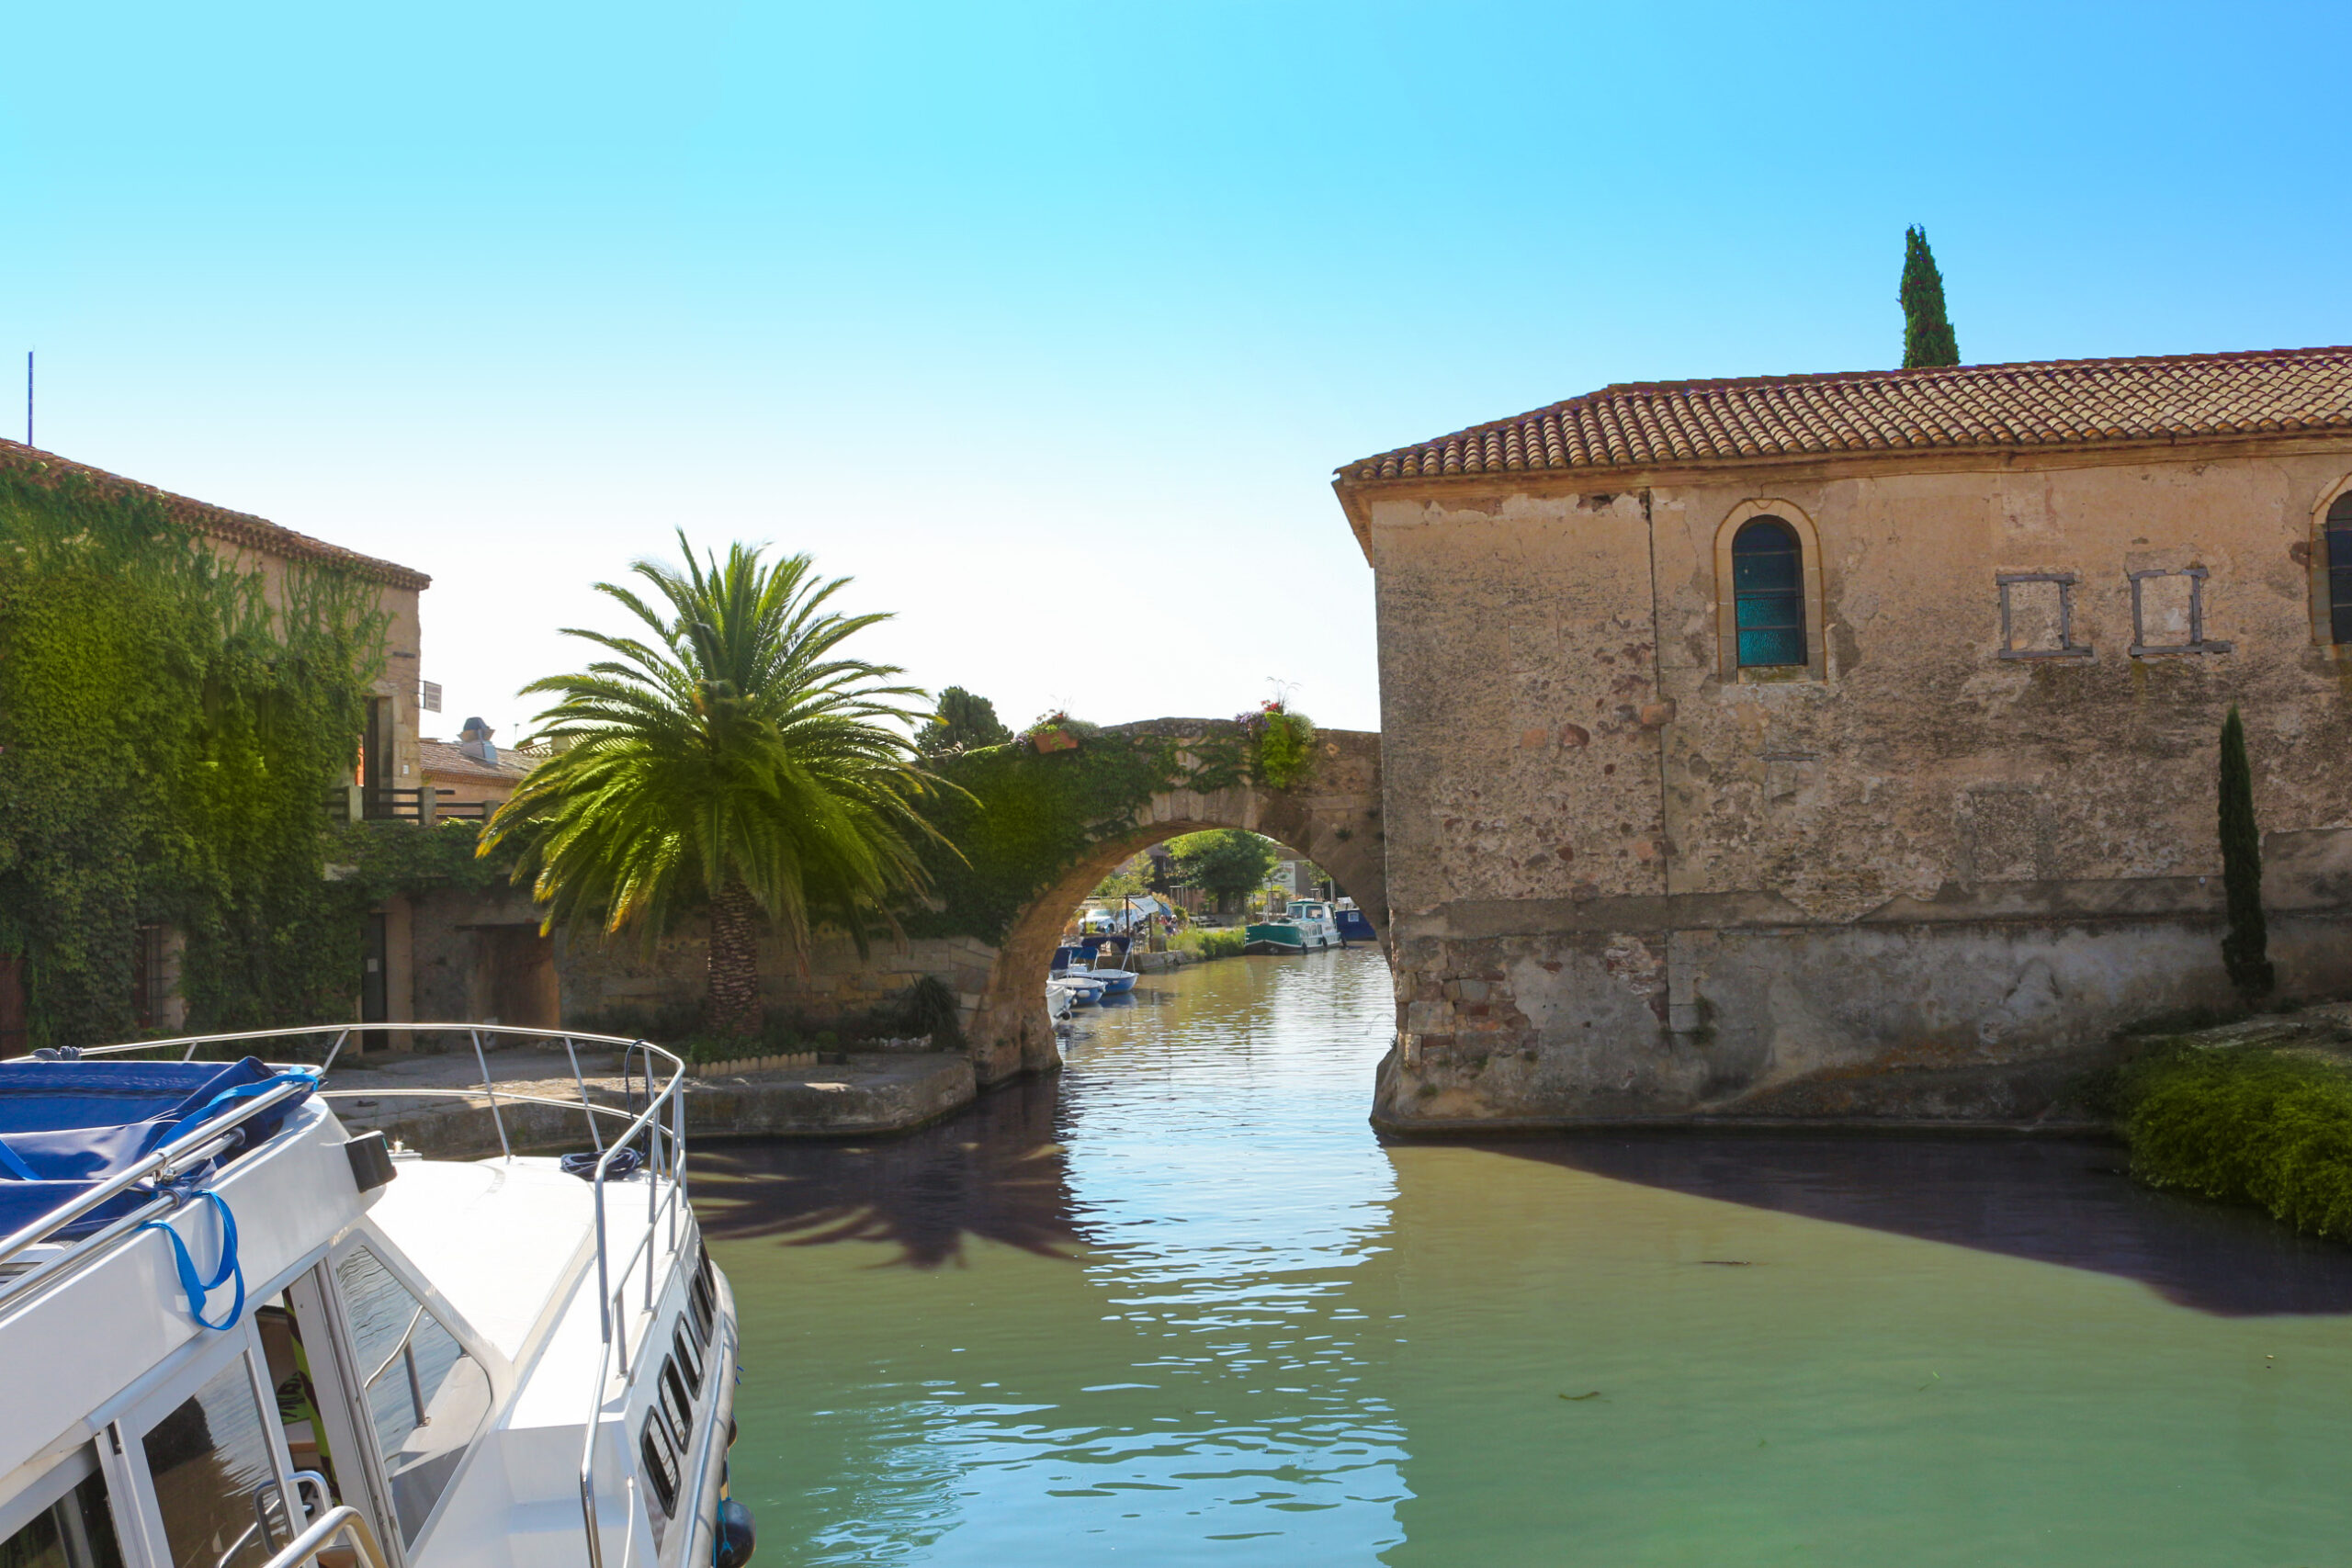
(854, 1094)
(1182, 1305)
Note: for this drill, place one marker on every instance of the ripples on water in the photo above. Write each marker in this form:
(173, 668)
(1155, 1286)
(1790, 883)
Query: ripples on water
(1181, 1305)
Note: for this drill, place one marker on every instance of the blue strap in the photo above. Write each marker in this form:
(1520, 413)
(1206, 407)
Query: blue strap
(198, 1290)
(15, 1164)
(246, 1091)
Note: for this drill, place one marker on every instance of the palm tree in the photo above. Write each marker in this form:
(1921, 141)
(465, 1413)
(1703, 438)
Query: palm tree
(730, 762)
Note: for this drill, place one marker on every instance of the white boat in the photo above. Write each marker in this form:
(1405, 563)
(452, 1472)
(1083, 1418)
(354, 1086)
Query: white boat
(1059, 1000)
(1306, 926)
(232, 1335)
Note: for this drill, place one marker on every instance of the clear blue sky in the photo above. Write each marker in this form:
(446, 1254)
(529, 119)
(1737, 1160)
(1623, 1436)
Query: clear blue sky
(1048, 324)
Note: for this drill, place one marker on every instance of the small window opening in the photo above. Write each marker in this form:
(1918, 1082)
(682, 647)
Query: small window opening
(1768, 594)
(2340, 569)
(75, 1531)
(661, 1465)
(683, 1346)
(677, 1406)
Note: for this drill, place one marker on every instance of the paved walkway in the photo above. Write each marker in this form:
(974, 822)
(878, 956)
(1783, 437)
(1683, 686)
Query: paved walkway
(860, 1095)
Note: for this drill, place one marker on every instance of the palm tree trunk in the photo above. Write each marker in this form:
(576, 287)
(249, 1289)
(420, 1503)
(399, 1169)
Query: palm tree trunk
(734, 1001)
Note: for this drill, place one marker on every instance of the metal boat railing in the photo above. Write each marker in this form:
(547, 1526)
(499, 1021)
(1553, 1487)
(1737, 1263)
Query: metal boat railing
(342, 1522)
(660, 1126)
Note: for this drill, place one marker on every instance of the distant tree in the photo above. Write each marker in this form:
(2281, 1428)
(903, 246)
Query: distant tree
(1123, 882)
(1228, 863)
(2245, 943)
(1927, 337)
(962, 722)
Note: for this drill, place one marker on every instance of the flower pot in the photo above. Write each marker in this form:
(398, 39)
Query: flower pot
(1054, 740)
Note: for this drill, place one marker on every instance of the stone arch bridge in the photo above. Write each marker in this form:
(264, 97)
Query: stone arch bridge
(1331, 817)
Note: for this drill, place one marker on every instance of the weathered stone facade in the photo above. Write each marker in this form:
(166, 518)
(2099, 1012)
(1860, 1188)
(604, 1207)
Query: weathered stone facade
(1925, 873)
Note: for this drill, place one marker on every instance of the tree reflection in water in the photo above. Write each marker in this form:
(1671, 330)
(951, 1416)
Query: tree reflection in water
(994, 1171)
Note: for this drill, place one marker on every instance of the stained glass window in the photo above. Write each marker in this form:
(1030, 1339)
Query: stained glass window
(1768, 594)
(2339, 567)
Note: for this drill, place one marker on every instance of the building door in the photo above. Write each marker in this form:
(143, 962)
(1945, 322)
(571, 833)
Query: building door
(12, 1004)
(376, 757)
(374, 999)
(513, 979)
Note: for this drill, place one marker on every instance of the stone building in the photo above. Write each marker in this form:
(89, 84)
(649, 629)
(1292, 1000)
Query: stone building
(1846, 745)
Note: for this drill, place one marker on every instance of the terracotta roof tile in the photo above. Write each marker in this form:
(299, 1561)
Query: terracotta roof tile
(2057, 402)
(448, 760)
(239, 528)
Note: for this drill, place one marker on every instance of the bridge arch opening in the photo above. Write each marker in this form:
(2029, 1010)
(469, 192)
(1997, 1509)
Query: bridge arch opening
(1333, 819)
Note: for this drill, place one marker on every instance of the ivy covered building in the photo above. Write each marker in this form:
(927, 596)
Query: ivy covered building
(194, 704)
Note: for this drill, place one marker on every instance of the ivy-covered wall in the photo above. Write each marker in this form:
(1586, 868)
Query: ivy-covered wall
(168, 735)
(1021, 819)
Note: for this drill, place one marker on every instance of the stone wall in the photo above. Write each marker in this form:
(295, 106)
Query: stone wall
(1929, 872)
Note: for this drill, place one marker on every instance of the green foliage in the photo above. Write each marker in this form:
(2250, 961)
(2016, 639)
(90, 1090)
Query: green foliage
(733, 748)
(1228, 862)
(960, 723)
(1020, 820)
(1210, 941)
(2246, 1126)
(1120, 885)
(374, 861)
(2245, 943)
(168, 739)
(1286, 750)
(1927, 337)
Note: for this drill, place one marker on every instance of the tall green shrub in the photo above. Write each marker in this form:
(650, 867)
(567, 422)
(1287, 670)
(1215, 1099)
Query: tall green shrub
(2245, 943)
(1927, 337)
(167, 738)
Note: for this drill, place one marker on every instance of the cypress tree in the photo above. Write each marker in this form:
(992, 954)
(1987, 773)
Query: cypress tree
(1926, 331)
(2245, 943)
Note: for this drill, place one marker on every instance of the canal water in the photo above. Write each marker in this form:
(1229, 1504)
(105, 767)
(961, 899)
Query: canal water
(1182, 1306)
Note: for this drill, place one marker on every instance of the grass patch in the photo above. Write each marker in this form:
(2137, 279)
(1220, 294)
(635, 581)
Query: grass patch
(2246, 1125)
(1211, 942)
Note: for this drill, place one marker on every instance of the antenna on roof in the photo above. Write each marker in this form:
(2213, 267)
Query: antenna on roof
(29, 397)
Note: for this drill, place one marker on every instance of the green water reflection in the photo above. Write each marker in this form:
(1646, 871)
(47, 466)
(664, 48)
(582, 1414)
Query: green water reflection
(1182, 1306)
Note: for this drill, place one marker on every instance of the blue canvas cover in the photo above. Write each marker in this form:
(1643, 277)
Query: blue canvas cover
(66, 1125)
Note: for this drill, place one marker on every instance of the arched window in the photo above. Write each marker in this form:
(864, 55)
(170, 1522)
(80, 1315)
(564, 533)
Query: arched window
(1768, 593)
(2339, 567)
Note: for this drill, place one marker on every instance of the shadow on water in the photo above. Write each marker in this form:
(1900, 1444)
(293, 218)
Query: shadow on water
(994, 1171)
(2052, 1200)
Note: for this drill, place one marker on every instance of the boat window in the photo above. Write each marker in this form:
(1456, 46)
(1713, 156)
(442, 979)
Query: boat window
(660, 1464)
(681, 1406)
(75, 1531)
(698, 1302)
(426, 1396)
(682, 1344)
(297, 1399)
(216, 1483)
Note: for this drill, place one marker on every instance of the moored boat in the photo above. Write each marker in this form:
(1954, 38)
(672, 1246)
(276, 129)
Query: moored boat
(234, 1334)
(1305, 927)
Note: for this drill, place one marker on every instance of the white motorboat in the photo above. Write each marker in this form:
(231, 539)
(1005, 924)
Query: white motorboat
(234, 1335)
(1059, 1000)
(1306, 926)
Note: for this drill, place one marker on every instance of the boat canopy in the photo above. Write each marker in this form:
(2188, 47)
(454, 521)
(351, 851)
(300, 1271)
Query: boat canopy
(67, 1125)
